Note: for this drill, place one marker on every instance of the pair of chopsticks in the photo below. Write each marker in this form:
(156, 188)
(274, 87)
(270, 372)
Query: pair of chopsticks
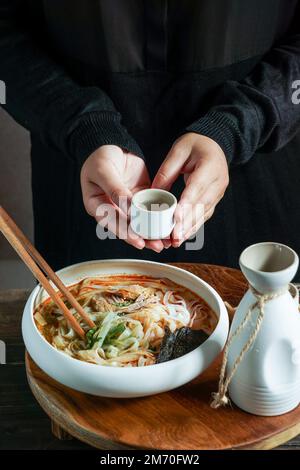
(38, 266)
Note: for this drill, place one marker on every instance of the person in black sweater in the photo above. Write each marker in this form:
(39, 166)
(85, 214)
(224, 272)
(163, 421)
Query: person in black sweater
(124, 94)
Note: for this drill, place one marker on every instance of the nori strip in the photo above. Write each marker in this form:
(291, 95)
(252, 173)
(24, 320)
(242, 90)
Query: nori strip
(182, 341)
(166, 347)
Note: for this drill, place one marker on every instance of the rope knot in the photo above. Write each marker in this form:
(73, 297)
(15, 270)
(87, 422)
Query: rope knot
(219, 400)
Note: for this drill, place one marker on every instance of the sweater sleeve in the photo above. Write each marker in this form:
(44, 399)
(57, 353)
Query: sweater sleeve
(262, 112)
(43, 98)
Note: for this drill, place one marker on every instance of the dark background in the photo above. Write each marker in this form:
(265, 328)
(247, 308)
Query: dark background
(15, 196)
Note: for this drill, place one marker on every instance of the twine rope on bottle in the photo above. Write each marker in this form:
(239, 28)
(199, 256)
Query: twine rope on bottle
(220, 398)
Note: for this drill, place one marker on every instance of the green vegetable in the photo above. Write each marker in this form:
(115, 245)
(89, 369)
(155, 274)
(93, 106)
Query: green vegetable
(90, 337)
(114, 332)
(126, 333)
(103, 331)
(96, 336)
(114, 335)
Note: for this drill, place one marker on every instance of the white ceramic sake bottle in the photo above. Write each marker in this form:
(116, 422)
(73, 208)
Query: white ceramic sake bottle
(267, 381)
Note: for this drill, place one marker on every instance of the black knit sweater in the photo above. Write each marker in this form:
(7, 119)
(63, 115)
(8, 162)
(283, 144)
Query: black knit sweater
(137, 74)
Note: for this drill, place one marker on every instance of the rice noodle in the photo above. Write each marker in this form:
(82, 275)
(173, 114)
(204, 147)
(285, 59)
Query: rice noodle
(131, 313)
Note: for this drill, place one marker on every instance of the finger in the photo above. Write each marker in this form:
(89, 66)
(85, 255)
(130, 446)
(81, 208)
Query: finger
(177, 233)
(192, 211)
(212, 196)
(192, 215)
(110, 181)
(134, 239)
(118, 224)
(199, 224)
(191, 232)
(209, 214)
(171, 167)
(167, 242)
(209, 199)
(93, 197)
(197, 183)
(155, 245)
(109, 217)
(195, 216)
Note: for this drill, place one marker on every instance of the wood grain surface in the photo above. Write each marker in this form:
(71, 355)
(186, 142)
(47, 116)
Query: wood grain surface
(180, 419)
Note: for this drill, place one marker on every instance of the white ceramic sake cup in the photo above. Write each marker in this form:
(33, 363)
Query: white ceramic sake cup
(152, 213)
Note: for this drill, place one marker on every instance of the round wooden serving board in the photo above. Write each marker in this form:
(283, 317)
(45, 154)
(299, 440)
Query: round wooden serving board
(180, 419)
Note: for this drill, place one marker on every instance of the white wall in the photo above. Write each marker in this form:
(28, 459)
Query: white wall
(15, 197)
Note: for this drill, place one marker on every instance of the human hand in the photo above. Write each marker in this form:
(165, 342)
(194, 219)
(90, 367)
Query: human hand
(109, 178)
(205, 169)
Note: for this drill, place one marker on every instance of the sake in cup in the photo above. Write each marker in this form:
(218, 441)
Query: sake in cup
(152, 213)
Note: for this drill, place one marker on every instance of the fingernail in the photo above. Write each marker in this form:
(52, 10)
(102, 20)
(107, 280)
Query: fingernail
(177, 239)
(167, 243)
(178, 242)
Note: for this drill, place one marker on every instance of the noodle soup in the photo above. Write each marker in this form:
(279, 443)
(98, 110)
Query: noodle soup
(140, 321)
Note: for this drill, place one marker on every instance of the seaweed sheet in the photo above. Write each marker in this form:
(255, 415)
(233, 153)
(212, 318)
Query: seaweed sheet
(182, 341)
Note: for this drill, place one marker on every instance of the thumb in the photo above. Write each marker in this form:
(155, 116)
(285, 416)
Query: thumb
(172, 166)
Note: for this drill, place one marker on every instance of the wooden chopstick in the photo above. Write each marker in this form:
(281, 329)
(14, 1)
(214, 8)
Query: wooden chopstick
(30, 256)
(42, 263)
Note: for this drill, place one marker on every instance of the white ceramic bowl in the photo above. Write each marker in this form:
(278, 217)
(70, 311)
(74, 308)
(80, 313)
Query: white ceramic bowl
(117, 381)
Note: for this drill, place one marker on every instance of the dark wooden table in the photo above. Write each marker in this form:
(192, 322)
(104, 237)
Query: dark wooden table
(23, 424)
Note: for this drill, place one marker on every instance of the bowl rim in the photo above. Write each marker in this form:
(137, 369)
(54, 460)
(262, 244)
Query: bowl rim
(223, 315)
